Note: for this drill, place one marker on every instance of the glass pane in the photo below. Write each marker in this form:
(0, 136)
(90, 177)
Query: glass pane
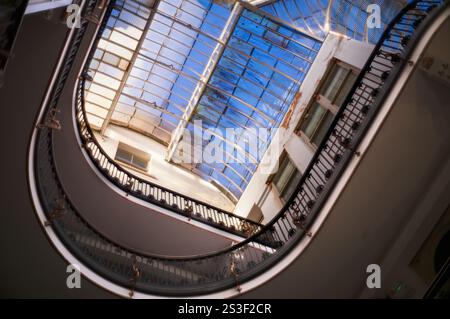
(260, 69)
(139, 162)
(123, 155)
(345, 89)
(334, 82)
(342, 16)
(324, 125)
(315, 115)
(292, 185)
(284, 174)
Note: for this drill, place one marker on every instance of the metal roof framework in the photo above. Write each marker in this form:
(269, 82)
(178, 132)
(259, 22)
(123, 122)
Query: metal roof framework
(162, 65)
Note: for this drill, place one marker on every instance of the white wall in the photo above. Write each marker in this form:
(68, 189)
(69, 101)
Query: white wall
(159, 171)
(432, 115)
(352, 52)
(386, 202)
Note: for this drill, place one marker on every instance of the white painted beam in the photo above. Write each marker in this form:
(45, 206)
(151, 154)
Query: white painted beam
(39, 5)
(206, 75)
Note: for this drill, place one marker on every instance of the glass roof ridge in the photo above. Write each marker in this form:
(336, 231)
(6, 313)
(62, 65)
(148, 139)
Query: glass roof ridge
(236, 187)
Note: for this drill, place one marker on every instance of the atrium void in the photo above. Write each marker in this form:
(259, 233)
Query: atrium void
(186, 71)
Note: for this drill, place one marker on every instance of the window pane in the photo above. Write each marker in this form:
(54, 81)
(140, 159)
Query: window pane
(315, 115)
(283, 175)
(291, 186)
(334, 82)
(127, 156)
(324, 125)
(123, 155)
(345, 90)
(287, 178)
(139, 162)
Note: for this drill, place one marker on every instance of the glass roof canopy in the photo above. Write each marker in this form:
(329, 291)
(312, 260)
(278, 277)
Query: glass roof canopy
(158, 53)
(343, 16)
(162, 65)
(252, 86)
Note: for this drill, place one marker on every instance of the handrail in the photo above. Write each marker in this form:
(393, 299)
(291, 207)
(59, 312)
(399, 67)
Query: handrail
(243, 261)
(150, 192)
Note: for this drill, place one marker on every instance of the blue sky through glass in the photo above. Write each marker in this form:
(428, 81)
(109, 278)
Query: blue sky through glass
(153, 55)
(253, 85)
(343, 16)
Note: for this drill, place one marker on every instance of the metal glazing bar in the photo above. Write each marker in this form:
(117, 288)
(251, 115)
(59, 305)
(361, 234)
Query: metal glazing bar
(130, 67)
(252, 8)
(207, 73)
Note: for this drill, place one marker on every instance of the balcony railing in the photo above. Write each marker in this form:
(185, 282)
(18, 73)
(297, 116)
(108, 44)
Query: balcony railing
(139, 187)
(143, 189)
(231, 267)
(150, 192)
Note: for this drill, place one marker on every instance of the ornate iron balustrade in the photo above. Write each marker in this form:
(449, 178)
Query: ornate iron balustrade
(228, 268)
(143, 189)
(150, 192)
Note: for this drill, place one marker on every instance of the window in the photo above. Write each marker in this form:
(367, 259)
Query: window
(132, 156)
(329, 99)
(286, 178)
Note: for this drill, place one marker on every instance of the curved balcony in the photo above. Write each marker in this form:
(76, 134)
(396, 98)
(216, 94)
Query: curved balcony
(150, 192)
(126, 271)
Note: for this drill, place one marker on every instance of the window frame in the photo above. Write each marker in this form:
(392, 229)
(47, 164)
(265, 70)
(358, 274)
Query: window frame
(135, 153)
(272, 180)
(323, 101)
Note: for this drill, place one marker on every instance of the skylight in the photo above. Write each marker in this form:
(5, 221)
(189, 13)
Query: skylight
(163, 65)
(347, 17)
